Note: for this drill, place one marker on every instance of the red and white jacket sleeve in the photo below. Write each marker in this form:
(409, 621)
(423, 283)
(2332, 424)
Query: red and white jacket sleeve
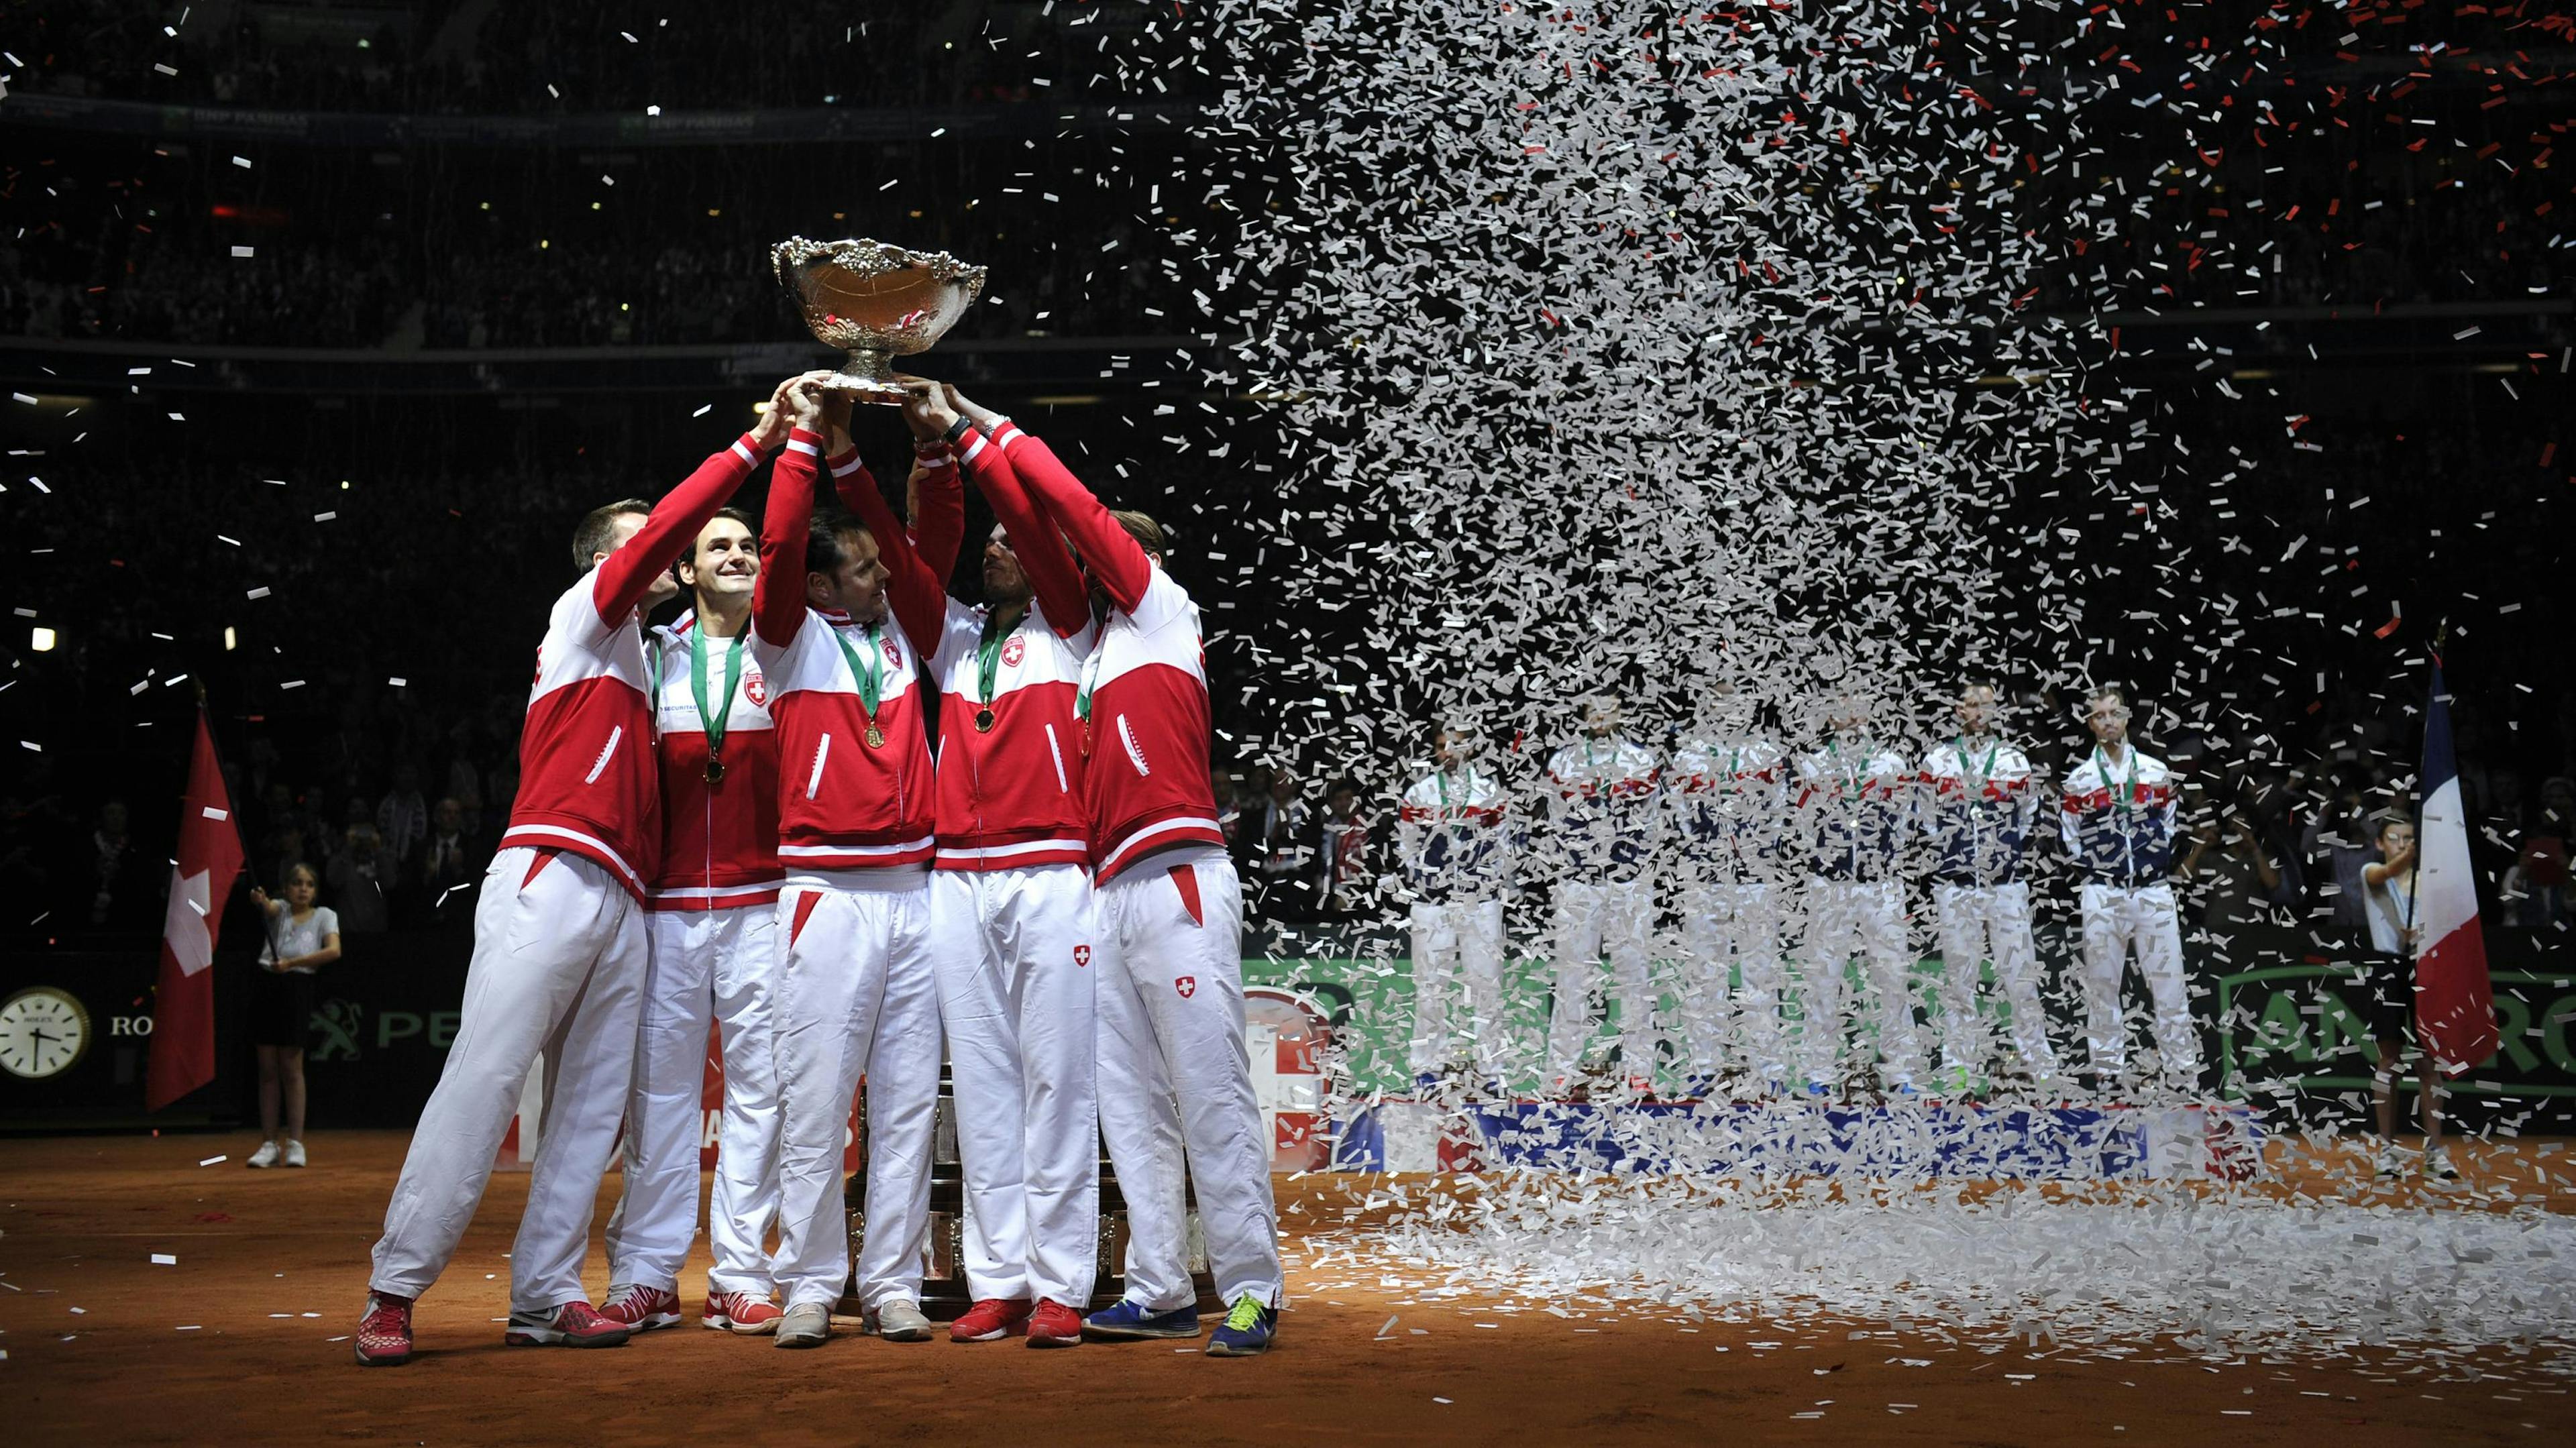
(1034, 541)
(625, 576)
(778, 598)
(1117, 559)
(920, 597)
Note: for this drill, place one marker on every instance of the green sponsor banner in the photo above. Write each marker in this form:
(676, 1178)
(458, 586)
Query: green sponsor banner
(2304, 1028)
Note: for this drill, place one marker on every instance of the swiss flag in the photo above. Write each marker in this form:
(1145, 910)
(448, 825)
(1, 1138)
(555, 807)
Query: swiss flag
(210, 858)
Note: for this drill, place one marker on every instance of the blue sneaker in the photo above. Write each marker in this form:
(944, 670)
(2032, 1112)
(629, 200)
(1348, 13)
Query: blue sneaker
(1247, 1329)
(1127, 1319)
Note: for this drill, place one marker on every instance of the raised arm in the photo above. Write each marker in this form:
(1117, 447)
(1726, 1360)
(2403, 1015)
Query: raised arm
(778, 596)
(920, 597)
(1117, 559)
(934, 500)
(938, 508)
(1034, 540)
(623, 577)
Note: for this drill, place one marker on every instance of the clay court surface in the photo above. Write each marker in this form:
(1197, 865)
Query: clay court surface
(271, 1270)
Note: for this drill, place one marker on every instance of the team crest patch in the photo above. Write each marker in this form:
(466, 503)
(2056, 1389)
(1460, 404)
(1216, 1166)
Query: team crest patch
(1013, 652)
(1081, 956)
(1187, 985)
(893, 652)
(755, 688)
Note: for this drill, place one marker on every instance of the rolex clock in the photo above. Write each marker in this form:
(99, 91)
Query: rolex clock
(44, 1031)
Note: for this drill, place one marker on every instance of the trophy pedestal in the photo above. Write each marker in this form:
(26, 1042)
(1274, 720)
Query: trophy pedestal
(945, 1294)
(868, 376)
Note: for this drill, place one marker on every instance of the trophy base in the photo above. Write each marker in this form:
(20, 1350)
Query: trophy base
(868, 377)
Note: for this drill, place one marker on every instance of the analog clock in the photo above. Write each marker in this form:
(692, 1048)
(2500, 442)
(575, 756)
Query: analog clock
(44, 1031)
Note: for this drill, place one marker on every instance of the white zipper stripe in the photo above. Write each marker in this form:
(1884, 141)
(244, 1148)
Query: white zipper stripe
(601, 763)
(814, 781)
(807, 852)
(1058, 756)
(1004, 852)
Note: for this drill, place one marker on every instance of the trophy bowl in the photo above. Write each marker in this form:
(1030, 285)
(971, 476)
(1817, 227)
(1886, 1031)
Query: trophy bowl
(875, 302)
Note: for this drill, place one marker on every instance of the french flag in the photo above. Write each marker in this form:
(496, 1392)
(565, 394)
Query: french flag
(2454, 1009)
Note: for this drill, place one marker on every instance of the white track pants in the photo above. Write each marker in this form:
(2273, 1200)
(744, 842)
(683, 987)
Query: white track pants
(709, 967)
(2115, 918)
(1732, 930)
(1459, 945)
(1864, 918)
(1618, 915)
(1016, 975)
(855, 998)
(1176, 1080)
(1990, 922)
(559, 970)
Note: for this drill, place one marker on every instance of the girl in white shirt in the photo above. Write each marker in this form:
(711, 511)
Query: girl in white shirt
(302, 938)
(2388, 900)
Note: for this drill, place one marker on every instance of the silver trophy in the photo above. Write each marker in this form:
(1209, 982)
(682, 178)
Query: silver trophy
(876, 302)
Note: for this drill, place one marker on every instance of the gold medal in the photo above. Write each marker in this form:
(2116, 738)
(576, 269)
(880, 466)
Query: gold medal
(984, 720)
(875, 736)
(715, 769)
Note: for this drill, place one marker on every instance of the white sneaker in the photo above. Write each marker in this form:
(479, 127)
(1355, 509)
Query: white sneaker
(294, 1154)
(900, 1320)
(266, 1156)
(2390, 1162)
(806, 1325)
(2437, 1165)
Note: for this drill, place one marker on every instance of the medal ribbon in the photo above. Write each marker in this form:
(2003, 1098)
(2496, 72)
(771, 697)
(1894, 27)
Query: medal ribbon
(2123, 793)
(713, 719)
(872, 678)
(1976, 781)
(988, 660)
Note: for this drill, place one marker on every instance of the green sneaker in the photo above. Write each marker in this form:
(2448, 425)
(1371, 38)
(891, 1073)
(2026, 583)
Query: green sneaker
(1247, 1330)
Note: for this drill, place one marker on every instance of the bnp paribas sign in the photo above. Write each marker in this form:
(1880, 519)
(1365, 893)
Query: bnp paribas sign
(2290, 1022)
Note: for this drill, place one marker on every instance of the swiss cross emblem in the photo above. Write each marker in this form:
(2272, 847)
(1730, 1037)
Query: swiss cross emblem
(755, 688)
(1187, 985)
(1012, 652)
(893, 652)
(1081, 955)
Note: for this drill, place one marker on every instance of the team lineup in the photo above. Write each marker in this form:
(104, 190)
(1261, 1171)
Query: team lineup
(1774, 855)
(737, 822)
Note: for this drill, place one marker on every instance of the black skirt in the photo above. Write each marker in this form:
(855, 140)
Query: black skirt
(2386, 986)
(281, 1009)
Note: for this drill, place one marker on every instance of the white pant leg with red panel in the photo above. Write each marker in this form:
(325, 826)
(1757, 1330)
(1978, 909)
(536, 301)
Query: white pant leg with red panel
(1016, 970)
(1176, 1079)
(709, 968)
(558, 969)
(842, 934)
(745, 1199)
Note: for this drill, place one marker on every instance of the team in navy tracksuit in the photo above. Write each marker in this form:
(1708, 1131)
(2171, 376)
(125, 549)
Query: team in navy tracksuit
(1603, 817)
(1853, 800)
(1980, 798)
(1725, 786)
(1453, 835)
(2117, 817)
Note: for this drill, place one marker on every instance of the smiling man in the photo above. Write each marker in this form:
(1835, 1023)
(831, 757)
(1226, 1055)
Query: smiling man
(559, 955)
(710, 931)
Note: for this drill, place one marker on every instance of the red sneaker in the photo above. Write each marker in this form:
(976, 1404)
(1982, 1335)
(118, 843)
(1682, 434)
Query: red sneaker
(1054, 1325)
(740, 1312)
(572, 1325)
(992, 1318)
(384, 1333)
(642, 1308)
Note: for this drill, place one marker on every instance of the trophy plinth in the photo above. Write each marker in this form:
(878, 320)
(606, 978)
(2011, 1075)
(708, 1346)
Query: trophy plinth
(875, 302)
